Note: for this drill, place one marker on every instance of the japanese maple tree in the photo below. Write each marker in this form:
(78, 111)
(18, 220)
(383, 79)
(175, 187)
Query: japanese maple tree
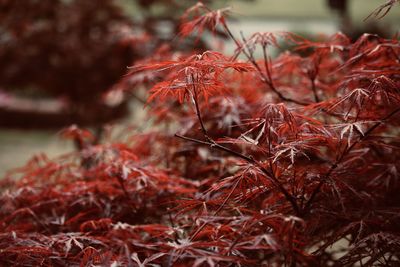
(286, 161)
(74, 52)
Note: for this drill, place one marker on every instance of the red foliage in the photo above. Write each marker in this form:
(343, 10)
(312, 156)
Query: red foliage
(291, 161)
(200, 17)
(54, 45)
(76, 51)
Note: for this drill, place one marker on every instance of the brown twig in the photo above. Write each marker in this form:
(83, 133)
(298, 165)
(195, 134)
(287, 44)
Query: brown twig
(263, 77)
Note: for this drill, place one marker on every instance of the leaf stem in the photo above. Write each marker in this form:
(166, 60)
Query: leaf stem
(339, 160)
(252, 161)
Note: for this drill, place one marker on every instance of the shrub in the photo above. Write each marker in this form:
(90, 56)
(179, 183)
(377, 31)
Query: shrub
(72, 50)
(292, 161)
(54, 46)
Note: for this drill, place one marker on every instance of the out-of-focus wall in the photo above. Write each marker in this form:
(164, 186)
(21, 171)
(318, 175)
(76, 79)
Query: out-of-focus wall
(307, 9)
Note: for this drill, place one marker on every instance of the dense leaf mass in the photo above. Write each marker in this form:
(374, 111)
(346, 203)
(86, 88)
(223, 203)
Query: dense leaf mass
(72, 48)
(286, 161)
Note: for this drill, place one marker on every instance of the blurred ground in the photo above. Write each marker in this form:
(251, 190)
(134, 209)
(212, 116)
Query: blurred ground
(261, 15)
(18, 146)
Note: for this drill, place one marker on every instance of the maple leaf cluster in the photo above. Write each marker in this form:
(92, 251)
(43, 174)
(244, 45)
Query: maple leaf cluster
(285, 161)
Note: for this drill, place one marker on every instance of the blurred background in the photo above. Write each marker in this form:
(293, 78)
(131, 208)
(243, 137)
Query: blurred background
(62, 60)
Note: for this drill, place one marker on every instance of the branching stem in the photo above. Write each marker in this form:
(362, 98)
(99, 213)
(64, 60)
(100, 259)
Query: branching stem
(339, 160)
(249, 55)
(252, 161)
